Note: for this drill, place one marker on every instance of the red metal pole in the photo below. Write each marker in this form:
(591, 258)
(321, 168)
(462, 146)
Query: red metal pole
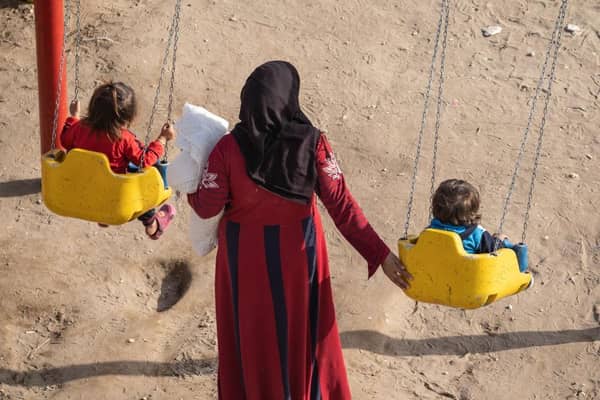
(49, 28)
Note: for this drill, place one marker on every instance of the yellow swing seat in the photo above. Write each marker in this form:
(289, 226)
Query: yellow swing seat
(444, 273)
(80, 184)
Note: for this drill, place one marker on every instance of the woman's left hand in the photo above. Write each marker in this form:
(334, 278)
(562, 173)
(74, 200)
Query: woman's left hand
(396, 271)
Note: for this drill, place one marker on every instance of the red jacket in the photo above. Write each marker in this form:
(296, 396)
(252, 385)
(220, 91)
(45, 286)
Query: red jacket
(119, 152)
(225, 183)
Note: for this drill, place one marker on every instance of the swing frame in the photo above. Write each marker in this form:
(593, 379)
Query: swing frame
(49, 32)
(80, 183)
(443, 272)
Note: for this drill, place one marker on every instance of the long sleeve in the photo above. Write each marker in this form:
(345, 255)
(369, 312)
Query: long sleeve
(67, 136)
(134, 150)
(489, 243)
(213, 190)
(345, 211)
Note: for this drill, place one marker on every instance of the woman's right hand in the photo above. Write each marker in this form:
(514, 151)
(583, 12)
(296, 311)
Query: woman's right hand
(167, 132)
(396, 271)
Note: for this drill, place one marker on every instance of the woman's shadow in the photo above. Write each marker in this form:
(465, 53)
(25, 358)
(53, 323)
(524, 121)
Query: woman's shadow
(60, 375)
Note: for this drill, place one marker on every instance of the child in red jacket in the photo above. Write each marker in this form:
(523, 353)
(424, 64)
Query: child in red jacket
(105, 130)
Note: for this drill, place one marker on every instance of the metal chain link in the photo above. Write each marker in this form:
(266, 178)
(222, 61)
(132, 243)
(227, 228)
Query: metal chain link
(172, 29)
(61, 68)
(439, 101)
(555, 33)
(176, 19)
(538, 150)
(158, 87)
(77, 47)
(423, 119)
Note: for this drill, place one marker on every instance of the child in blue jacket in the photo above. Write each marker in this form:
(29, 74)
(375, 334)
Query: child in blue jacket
(455, 208)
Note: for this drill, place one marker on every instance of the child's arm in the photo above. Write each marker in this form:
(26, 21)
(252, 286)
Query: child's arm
(155, 150)
(489, 243)
(67, 136)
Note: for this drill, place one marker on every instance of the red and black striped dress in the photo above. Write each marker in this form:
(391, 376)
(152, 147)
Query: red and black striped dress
(276, 326)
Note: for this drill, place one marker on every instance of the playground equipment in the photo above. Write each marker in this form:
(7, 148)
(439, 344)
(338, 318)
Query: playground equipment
(443, 272)
(80, 183)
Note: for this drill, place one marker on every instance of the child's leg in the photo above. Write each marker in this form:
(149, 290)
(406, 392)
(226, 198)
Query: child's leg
(156, 222)
(147, 216)
(520, 250)
(149, 221)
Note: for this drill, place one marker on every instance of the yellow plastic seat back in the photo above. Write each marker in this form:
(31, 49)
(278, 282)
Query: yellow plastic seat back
(81, 185)
(444, 273)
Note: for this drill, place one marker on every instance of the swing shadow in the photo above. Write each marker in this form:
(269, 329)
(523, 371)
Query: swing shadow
(61, 375)
(367, 340)
(174, 285)
(21, 187)
(380, 343)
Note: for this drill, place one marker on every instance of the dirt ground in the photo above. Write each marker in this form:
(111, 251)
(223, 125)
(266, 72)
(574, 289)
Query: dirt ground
(92, 313)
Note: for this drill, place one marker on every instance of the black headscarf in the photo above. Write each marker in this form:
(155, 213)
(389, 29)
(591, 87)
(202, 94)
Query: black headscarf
(277, 140)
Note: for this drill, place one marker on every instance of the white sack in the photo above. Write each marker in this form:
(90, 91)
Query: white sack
(182, 173)
(198, 131)
(204, 233)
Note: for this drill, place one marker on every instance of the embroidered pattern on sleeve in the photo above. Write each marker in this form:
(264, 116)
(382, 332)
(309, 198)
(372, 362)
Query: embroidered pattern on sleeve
(208, 179)
(332, 168)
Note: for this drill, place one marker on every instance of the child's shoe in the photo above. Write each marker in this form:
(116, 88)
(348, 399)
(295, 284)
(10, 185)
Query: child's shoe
(163, 217)
(530, 282)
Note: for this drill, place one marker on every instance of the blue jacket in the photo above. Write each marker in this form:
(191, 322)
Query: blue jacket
(475, 238)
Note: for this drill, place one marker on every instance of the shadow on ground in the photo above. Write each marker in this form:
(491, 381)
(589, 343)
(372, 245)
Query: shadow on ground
(61, 375)
(379, 343)
(367, 340)
(22, 187)
(13, 3)
(174, 285)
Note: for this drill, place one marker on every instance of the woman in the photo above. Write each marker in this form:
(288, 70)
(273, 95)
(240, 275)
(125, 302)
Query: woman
(276, 325)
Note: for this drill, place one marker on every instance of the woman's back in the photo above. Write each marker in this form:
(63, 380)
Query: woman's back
(247, 202)
(276, 325)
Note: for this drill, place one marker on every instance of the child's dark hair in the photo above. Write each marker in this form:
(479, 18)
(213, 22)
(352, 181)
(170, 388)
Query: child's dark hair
(112, 106)
(456, 202)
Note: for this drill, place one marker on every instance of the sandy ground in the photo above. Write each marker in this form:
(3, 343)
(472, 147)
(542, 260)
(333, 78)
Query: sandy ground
(91, 313)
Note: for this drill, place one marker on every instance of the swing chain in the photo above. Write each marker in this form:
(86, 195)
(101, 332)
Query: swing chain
(156, 97)
(440, 99)
(423, 119)
(77, 47)
(176, 19)
(554, 44)
(61, 68)
(172, 33)
(559, 25)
